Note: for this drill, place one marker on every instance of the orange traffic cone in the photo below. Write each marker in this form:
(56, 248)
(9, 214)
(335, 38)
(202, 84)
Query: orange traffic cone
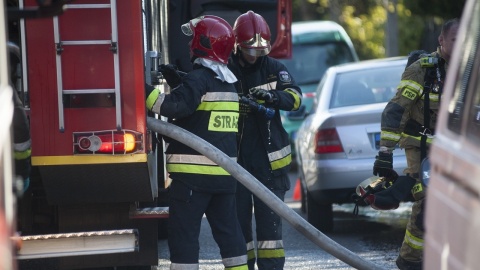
(297, 194)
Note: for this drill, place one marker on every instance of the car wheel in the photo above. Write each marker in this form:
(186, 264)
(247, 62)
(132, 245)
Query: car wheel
(319, 215)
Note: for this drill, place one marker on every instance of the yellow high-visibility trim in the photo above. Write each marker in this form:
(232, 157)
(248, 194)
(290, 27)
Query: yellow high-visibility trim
(152, 98)
(87, 159)
(218, 106)
(278, 164)
(251, 254)
(390, 136)
(22, 155)
(413, 241)
(271, 253)
(240, 267)
(419, 138)
(296, 97)
(196, 169)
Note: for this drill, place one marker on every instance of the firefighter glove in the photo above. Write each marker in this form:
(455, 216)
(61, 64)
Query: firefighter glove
(171, 75)
(263, 94)
(383, 165)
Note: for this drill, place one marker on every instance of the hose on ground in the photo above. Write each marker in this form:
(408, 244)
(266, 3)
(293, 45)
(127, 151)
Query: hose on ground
(263, 193)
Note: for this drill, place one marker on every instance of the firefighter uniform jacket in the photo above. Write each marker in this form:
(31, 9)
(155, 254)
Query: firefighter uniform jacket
(269, 74)
(403, 117)
(207, 107)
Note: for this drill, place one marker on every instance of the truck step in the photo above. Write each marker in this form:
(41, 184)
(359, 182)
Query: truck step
(75, 244)
(150, 212)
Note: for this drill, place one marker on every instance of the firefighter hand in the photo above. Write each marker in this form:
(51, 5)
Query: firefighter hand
(262, 94)
(383, 165)
(171, 75)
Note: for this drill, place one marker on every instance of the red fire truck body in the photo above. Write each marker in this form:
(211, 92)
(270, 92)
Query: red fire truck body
(98, 187)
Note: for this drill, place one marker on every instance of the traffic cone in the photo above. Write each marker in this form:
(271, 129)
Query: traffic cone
(297, 194)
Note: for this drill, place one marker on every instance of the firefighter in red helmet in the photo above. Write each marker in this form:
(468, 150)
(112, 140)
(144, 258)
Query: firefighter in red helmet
(199, 100)
(265, 87)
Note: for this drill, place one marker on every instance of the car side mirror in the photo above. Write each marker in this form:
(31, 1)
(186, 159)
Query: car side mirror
(299, 114)
(425, 171)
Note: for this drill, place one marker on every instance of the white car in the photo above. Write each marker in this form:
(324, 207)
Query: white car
(337, 144)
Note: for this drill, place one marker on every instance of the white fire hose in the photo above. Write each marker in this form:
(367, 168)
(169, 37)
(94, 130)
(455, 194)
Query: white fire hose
(257, 188)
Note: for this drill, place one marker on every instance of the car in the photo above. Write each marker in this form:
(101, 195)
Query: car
(317, 45)
(452, 213)
(337, 143)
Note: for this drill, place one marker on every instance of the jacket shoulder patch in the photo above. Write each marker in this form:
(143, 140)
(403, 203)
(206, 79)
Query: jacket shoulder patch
(284, 76)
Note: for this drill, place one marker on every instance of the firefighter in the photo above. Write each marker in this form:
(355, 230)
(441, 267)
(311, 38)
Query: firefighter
(21, 128)
(409, 120)
(204, 102)
(265, 87)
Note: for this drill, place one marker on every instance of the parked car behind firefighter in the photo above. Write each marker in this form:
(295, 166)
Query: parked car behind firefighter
(337, 143)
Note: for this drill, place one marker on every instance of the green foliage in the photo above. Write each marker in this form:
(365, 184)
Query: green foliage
(365, 21)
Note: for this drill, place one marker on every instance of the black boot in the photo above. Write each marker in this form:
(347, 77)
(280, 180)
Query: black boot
(403, 264)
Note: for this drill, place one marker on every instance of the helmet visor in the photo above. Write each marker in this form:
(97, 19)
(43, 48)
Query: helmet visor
(188, 28)
(255, 51)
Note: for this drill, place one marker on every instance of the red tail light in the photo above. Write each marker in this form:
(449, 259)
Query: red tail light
(327, 141)
(107, 142)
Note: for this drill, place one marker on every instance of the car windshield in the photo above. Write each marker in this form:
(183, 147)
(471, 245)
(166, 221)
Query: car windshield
(310, 61)
(366, 86)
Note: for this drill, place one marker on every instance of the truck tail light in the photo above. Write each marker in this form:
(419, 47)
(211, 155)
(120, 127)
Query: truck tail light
(327, 141)
(111, 142)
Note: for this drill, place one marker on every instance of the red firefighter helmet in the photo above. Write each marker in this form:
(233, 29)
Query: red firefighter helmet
(252, 34)
(212, 38)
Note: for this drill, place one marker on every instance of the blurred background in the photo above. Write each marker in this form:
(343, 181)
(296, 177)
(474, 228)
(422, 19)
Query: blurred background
(383, 28)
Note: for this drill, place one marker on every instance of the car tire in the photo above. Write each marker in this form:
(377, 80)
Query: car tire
(319, 215)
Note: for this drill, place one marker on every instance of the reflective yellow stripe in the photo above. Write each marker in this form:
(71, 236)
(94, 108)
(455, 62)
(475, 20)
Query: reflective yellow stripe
(218, 106)
(196, 169)
(419, 138)
(240, 267)
(223, 121)
(390, 136)
(432, 97)
(413, 241)
(239, 262)
(413, 85)
(296, 97)
(152, 98)
(87, 159)
(22, 155)
(278, 164)
(280, 158)
(270, 249)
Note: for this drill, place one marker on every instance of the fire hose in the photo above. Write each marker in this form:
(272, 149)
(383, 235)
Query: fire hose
(262, 192)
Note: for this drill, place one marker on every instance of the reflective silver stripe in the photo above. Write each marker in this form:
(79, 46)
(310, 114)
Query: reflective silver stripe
(191, 159)
(24, 146)
(250, 245)
(220, 96)
(267, 86)
(158, 103)
(273, 244)
(280, 153)
(184, 266)
(234, 261)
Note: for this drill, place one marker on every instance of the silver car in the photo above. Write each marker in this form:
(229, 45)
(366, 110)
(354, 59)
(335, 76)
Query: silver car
(337, 144)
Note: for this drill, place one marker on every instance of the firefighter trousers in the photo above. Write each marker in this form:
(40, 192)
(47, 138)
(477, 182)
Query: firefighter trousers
(187, 208)
(270, 253)
(412, 246)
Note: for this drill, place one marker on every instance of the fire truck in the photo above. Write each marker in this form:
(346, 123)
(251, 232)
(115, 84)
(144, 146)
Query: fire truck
(98, 187)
